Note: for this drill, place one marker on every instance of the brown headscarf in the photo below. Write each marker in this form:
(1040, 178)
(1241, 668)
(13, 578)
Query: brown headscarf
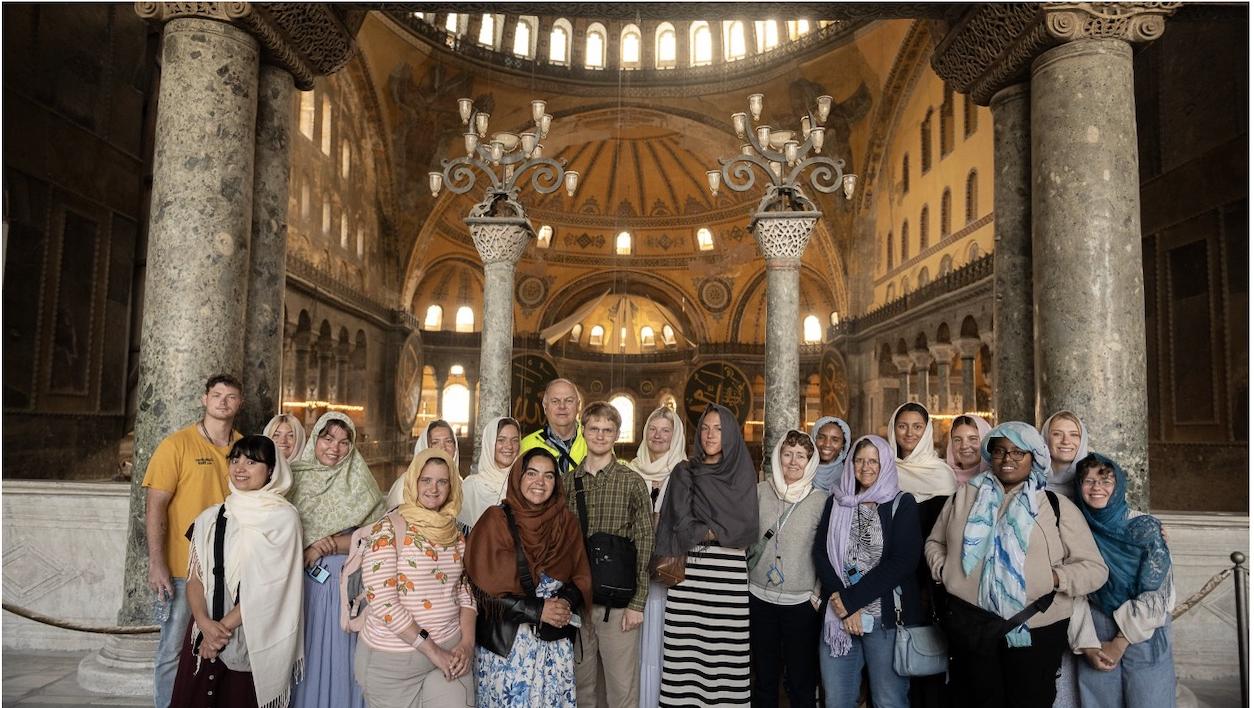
(551, 538)
(711, 495)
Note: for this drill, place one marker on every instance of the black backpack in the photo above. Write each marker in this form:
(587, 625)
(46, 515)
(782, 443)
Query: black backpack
(612, 559)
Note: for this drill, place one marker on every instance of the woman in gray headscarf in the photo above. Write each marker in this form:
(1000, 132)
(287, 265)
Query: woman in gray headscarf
(831, 438)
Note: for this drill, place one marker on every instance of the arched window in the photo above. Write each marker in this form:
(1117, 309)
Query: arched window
(344, 230)
(834, 318)
(627, 411)
(596, 337)
(767, 34)
(544, 236)
(946, 266)
(646, 337)
(905, 241)
(925, 143)
(890, 293)
(734, 40)
(326, 217)
(890, 250)
(522, 39)
(622, 244)
(465, 319)
(304, 200)
(456, 370)
(307, 113)
(594, 50)
(968, 116)
(326, 126)
(668, 335)
(630, 46)
(622, 339)
(905, 173)
(576, 332)
(487, 30)
(905, 284)
(972, 196)
(947, 208)
(924, 218)
(457, 406)
(452, 24)
(346, 159)
(812, 330)
(796, 28)
(705, 239)
(559, 42)
(702, 44)
(947, 122)
(973, 252)
(434, 319)
(924, 278)
(665, 54)
(361, 241)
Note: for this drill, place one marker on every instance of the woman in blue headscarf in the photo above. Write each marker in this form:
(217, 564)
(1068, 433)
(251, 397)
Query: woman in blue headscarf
(832, 440)
(1006, 549)
(1124, 629)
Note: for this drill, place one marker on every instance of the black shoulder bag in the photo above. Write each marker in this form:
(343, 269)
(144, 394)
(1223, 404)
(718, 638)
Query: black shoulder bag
(612, 559)
(547, 632)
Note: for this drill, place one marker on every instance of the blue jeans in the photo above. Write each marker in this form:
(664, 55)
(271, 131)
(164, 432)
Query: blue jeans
(1144, 678)
(173, 632)
(842, 675)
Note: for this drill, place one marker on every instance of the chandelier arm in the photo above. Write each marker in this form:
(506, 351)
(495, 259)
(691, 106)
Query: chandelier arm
(738, 172)
(826, 175)
(546, 176)
(764, 150)
(459, 177)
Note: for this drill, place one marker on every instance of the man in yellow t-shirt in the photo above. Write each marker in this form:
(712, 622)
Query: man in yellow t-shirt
(561, 434)
(186, 475)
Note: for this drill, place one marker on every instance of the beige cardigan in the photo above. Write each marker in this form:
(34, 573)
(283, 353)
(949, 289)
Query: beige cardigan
(1071, 553)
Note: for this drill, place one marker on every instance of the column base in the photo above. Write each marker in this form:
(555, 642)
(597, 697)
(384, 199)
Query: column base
(123, 667)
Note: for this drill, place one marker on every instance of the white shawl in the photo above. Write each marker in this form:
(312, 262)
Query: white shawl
(487, 486)
(922, 473)
(659, 470)
(263, 559)
(795, 492)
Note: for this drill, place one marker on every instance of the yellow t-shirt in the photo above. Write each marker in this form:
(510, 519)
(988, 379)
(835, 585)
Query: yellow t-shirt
(194, 471)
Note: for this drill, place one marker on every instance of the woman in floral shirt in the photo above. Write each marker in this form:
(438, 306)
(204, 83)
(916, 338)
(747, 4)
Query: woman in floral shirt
(418, 642)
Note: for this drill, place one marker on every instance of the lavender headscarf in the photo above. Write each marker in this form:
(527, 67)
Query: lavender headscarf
(847, 499)
(828, 475)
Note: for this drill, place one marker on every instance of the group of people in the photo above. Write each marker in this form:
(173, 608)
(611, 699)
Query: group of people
(556, 574)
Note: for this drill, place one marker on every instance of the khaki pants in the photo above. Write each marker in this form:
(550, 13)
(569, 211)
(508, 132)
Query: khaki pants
(408, 679)
(606, 646)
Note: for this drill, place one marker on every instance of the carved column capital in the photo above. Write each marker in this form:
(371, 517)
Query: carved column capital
(904, 362)
(922, 358)
(306, 39)
(942, 352)
(968, 347)
(499, 240)
(783, 237)
(993, 45)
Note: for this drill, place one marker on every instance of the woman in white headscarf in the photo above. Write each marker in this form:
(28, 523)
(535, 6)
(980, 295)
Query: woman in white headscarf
(260, 561)
(438, 433)
(661, 448)
(288, 435)
(502, 437)
(1068, 441)
(784, 600)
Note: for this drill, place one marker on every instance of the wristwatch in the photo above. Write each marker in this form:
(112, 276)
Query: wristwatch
(423, 635)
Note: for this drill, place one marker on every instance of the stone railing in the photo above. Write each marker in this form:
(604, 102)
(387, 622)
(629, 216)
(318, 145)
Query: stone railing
(969, 274)
(349, 293)
(466, 47)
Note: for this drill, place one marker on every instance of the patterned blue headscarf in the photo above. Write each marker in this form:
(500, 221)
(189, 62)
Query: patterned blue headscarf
(1002, 544)
(828, 475)
(1134, 549)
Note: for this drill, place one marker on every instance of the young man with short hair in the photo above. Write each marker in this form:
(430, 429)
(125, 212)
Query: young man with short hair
(561, 434)
(616, 501)
(186, 475)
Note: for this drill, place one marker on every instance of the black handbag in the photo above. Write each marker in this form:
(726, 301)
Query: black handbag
(612, 559)
(975, 630)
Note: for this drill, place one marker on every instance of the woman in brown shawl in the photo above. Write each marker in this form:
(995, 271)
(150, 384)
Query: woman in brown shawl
(528, 616)
(709, 513)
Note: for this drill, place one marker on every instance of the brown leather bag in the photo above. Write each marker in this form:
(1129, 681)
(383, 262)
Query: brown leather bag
(668, 570)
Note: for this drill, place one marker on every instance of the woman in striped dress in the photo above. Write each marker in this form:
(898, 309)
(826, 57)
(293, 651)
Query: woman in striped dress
(708, 513)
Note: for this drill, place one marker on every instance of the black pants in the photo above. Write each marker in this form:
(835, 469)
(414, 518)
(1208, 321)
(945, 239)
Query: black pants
(784, 639)
(1002, 676)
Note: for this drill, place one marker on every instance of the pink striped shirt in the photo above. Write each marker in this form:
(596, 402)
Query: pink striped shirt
(426, 587)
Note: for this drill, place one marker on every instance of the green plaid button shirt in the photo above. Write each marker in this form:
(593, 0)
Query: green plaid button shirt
(618, 503)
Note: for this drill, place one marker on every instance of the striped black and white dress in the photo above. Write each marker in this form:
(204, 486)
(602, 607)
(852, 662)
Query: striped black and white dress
(705, 647)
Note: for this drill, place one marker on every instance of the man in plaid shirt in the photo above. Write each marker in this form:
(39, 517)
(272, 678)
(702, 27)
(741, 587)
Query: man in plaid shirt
(617, 502)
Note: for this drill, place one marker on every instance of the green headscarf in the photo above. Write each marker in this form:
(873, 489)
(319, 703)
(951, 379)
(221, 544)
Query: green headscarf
(332, 499)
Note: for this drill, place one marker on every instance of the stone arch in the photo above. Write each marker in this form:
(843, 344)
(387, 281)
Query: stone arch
(970, 329)
(942, 333)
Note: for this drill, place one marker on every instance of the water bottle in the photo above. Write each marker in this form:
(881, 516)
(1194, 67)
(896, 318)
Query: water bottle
(161, 607)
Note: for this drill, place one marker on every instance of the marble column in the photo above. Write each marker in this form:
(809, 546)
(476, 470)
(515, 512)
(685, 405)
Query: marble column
(782, 239)
(904, 366)
(1086, 249)
(500, 242)
(441, 380)
(263, 328)
(472, 410)
(1014, 381)
(922, 360)
(943, 354)
(342, 388)
(324, 356)
(300, 369)
(197, 277)
(968, 350)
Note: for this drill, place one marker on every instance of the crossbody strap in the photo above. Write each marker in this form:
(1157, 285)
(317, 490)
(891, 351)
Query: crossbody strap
(581, 504)
(219, 565)
(524, 570)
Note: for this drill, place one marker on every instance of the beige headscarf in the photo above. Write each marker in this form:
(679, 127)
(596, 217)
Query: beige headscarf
(297, 429)
(795, 492)
(263, 559)
(660, 469)
(439, 526)
(922, 473)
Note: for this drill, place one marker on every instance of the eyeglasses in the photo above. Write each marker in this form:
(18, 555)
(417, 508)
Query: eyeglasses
(1104, 482)
(1012, 455)
(595, 431)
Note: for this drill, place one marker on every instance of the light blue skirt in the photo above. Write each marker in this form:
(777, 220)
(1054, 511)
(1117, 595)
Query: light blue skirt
(329, 650)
